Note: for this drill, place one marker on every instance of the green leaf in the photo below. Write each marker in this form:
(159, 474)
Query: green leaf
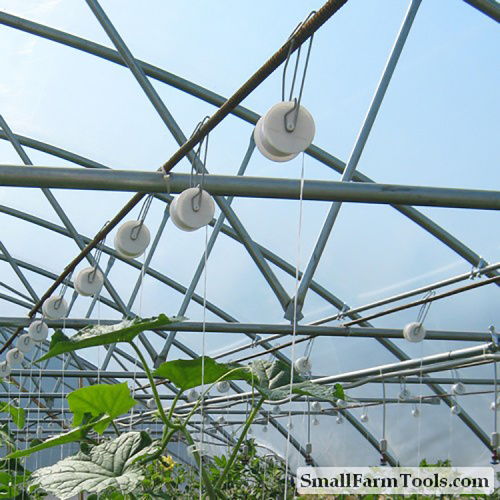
(187, 373)
(109, 465)
(77, 434)
(16, 413)
(272, 380)
(112, 400)
(6, 438)
(93, 336)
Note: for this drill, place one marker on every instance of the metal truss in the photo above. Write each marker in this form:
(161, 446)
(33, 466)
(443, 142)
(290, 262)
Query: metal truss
(96, 176)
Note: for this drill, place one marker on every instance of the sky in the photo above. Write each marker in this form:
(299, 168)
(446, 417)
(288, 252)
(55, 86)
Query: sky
(438, 126)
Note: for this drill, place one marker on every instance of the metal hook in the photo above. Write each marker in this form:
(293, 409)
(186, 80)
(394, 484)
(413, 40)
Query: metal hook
(291, 116)
(136, 230)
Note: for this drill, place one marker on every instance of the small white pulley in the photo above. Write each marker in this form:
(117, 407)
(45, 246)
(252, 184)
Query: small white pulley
(89, 281)
(404, 395)
(364, 417)
(458, 389)
(55, 307)
(414, 332)
(279, 137)
(316, 406)
(38, 330)
(303, 365)
(4, 369)
(25, 343)
(222, 387)
(14, 358)
(132, 239)
(192, 209)
(192, 395)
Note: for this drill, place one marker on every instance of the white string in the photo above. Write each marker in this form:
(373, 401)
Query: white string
(39, 396)
(420, 386)
(134, 379)
(294, 324)
(27, 415)
(205, 256)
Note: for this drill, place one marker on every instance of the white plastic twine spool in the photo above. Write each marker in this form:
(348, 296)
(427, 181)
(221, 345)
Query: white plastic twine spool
(55, 307)
(339, 420)
(404, 395)
(89, 281)
(316, 406)
(14, 358)
(192, 395)
(222, 387)
(414, 332)
(221, 420)
(272, 138)
(25, 343)
(132, 239)
(151, 403)
(458, 389)
(455, 409)
(38, 331)
(303, 365)
(5, 369)
(415, 412)
(192, 209)
(364, 417)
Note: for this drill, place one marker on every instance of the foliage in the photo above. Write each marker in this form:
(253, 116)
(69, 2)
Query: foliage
(109, 465)
(252, 476)
(16, 413)
(131, 466)
(98, 335)
(189, 373)
(100, 399)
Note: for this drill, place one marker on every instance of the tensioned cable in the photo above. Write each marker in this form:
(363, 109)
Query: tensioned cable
(301, 35)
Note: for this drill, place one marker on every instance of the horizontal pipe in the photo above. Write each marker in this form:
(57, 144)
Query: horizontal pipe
(263, 329)
(260, 187)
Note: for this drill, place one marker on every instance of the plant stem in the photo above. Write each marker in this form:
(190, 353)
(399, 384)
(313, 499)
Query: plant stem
(153, 385)
(174, 404)
(118, 433)
(237, 447)
(203, 472)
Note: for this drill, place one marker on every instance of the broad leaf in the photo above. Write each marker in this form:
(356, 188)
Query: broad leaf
(93, 336)
(112, 400)
(77, 434)
(111, 465)
(272, 380)
(189, 373)
(16, 413)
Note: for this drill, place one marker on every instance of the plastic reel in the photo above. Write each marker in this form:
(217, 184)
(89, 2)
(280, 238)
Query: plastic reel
(89, 282)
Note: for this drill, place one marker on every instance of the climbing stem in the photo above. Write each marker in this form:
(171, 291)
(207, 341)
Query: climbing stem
(153, 386)
(237, 447)
(206, 480)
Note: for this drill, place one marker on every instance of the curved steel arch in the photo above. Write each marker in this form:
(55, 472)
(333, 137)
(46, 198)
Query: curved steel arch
(241, 112)
(338, 303)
